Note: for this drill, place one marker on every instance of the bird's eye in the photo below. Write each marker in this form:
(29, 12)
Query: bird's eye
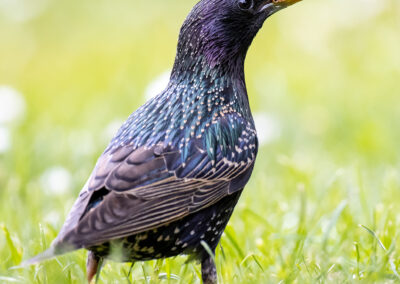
(245, 4)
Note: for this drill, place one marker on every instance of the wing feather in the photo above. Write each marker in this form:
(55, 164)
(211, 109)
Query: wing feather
(135, 190)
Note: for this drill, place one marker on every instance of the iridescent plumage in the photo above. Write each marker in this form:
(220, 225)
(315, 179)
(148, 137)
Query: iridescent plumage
(170, 178)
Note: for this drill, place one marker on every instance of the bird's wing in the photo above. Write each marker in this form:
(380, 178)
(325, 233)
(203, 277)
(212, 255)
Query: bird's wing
(135, 190)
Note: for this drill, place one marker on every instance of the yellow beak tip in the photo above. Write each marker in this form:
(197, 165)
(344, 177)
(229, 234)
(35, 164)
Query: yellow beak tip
(287, 2)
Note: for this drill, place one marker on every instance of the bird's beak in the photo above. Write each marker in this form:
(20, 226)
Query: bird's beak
(272, 6)
(285, 2)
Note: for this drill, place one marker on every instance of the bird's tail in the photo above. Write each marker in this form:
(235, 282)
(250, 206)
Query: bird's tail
(56, 249)
(48, 254)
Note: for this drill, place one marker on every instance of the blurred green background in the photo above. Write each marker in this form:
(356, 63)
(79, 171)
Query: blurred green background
(324, 84)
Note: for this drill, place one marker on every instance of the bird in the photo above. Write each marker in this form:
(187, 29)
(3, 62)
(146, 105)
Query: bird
(169, 180)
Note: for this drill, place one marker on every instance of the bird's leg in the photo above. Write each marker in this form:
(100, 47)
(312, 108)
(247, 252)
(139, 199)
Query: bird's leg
(208, 270)
(92, 266)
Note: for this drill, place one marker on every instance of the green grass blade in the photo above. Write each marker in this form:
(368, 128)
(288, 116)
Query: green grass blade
(16, 254)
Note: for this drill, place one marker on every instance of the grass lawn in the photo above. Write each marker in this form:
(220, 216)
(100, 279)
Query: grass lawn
(323, 204)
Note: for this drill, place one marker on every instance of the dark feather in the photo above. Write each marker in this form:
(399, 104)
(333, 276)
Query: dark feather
(133, 191)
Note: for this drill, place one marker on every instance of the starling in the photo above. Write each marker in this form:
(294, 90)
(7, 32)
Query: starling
(169, 180)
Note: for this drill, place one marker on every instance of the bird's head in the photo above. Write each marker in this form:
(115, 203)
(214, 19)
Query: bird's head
(220, 31)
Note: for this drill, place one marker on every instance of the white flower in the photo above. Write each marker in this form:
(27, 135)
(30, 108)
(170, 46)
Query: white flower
(268, 128)
(157, 85)
(12, 105)
(56, 180)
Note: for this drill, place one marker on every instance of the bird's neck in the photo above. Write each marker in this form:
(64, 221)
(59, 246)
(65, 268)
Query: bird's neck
(220, 86)
(208, 67)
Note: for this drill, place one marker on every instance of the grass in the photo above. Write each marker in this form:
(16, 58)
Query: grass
(323, 203)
